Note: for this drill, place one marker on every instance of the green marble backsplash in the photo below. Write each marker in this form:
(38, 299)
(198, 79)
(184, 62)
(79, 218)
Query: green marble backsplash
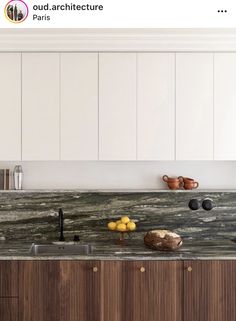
(33, 216)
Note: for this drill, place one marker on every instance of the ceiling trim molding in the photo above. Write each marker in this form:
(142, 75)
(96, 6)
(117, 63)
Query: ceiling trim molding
(176, 40)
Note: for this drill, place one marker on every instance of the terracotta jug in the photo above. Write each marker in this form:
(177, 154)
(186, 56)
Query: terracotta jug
(189, 183)
(172, 182)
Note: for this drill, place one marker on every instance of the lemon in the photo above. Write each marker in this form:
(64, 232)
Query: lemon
(118, 222)
(121, 227)
(111, 226)
(125, 219)
(131, 226)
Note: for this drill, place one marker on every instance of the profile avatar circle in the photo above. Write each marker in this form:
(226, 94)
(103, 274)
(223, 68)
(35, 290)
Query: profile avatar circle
(16, 11)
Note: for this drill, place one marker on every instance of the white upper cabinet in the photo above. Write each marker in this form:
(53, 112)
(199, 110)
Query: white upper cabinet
(225, 106)
(79, 106)
(194, 106)
(117, 106)
(10, 107)
(156, 106)
(40, 106)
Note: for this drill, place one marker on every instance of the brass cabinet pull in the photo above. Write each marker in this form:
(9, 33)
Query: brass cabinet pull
(95, 269)
(189, 269)
(142, 269)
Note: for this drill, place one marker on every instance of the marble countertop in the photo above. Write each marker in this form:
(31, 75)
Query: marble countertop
(133, 250)
(27, 217)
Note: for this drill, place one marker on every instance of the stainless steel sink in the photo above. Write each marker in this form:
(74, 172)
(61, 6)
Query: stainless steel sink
(60, 249)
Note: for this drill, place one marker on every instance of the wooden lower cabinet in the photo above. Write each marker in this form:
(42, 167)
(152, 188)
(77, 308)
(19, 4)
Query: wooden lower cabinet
(154, 289)
(39, 298)
(209, 292)
(126, 291)
(9, 309)
(142, 291)
(60, 291)
(100, 291)
(80, 293)
(8, 279)
(9, 290)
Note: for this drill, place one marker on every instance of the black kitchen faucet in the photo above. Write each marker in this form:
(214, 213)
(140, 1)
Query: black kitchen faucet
(61, 225)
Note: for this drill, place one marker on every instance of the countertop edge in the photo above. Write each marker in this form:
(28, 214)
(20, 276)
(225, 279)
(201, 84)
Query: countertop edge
(126, 258)
(118, 191)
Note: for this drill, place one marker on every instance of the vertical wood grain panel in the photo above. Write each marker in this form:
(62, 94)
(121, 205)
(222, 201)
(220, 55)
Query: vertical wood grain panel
(9, 279)
(117, 106)
(40, 106)
(80, 297)
(156, 106)
(210, 291)
(92, 290)
(161, 290)
(10, 107)
(131, 291)
(154, 294)
(118, 291)
(9, 309)
(112, 299)
(60, 291)
(39, 293)
(225, 102)
(79, 106)
(194, 106)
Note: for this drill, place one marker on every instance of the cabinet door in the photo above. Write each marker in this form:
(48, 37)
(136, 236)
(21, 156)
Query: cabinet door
(10, 107)
(194, 106)
(145, 290)
(80, 286)
(9, 309)
(79, 106)
(9, 279)
(225, 102)
(156, 106)
(117, 106)
(40, 106)
(60, 291)
(39, 291)
(210, 291)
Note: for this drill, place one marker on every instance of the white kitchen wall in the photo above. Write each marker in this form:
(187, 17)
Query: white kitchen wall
(123, 175)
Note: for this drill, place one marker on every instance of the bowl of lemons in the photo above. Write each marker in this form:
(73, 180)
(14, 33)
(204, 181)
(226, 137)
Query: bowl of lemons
(123, 225)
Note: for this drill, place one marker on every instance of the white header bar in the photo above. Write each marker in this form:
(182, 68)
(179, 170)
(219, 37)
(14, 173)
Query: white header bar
(118, 14)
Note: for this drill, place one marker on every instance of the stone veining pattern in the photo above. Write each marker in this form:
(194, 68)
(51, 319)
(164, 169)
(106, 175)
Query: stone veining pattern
(27, 217)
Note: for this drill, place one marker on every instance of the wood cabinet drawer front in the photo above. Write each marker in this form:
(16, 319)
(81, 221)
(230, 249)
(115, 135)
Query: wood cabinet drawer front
(80, 291)
(152, 290)
(8, 279)
(142, 290)
(209, 291)
(9, 309)
(39, 298)
(60, 291)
